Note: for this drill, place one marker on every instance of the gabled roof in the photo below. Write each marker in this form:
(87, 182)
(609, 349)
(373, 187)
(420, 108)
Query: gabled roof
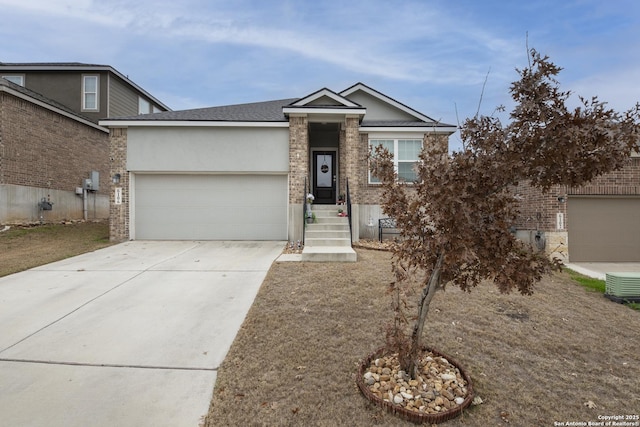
(74, 66)
(324, 102)
(43, 101)
(364, 88)
(320, 98)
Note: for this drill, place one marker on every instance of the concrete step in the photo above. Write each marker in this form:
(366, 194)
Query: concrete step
(328, 207)
(327, 233)
(329, 214)
(327, 226)
(328, 238)
(329, 254)
(327, 241)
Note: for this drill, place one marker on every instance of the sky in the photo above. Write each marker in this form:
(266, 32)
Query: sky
(448, 59)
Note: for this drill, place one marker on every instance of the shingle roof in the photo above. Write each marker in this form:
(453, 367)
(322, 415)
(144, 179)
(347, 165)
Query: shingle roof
(269, 111)
(50, 64)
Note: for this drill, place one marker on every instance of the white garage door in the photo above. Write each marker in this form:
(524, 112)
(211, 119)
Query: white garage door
(210, 207)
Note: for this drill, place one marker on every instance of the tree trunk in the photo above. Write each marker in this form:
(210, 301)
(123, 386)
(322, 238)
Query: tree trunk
(423, 309)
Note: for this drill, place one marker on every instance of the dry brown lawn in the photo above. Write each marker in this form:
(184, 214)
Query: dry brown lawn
(564, 354)
(24, 247)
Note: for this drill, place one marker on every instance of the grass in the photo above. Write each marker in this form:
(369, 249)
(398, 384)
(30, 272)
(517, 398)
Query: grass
(26, 247)
(588, 282)
(596, 285)
(563, 354)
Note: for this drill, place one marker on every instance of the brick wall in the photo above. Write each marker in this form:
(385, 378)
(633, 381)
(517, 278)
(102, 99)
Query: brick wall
(538, 210)
(47, 155)
(351, 158)
(119, 214)
(298, 157)
(625, 181)
(40, 148)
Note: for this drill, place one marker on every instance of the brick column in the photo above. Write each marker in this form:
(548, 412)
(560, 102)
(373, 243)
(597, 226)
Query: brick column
(118, 214)
(298, 157)
(352, 156)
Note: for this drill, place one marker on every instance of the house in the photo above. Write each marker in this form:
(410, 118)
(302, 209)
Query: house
(46, 152)
(50, 142)
(241, 172)
(598, 222)
(94, 91)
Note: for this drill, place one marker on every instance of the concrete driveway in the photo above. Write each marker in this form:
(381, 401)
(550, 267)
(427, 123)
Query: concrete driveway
(130, 335)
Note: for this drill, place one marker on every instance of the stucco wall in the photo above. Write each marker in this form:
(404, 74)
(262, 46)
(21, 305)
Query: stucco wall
(208, 149)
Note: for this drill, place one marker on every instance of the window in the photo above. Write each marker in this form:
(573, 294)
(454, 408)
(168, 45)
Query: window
(406, 154)
(19, 79)
(90, 93)
(144, 107)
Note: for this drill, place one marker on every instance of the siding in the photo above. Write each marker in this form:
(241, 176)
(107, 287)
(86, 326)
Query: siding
(122, 102)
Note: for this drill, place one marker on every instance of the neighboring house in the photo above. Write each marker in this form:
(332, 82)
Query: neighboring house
(598, 222)
(238, 172)
(94, 91)
(46, 152)
(50, 140)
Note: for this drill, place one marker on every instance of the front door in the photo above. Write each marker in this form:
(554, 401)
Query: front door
(324, 177)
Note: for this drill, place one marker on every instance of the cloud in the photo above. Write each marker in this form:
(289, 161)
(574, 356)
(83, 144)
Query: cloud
(407, 41)
(615, 87)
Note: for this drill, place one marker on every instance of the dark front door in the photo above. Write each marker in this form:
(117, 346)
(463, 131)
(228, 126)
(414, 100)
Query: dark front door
(324, 177)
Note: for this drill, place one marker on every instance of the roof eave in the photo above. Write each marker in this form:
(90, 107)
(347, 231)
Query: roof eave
(190, 123)
(324, 110)
(423, 129)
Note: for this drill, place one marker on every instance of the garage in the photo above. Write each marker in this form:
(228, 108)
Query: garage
(209, 207)
(604, 229)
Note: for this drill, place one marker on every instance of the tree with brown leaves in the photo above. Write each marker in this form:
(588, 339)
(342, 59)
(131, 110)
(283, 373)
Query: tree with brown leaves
(454, 219)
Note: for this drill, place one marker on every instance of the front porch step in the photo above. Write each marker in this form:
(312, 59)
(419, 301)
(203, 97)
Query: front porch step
(329, 254)
(328, 238)
(328, 233)
(335, 226)
(314, 242)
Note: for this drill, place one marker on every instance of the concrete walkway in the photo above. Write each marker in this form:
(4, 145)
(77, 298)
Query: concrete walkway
(598, 270)
(130, 335)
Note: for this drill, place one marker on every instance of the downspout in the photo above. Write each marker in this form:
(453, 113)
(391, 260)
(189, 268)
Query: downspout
(84, 203)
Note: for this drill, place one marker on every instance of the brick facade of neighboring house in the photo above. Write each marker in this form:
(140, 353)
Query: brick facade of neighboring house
(550, 214)
(45, 152)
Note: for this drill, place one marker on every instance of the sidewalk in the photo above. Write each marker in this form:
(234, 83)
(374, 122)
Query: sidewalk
(598, 270)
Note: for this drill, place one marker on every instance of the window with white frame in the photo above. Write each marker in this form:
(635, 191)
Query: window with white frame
(144, 106)
(17, 79)
(90, 93)
(406, 154)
